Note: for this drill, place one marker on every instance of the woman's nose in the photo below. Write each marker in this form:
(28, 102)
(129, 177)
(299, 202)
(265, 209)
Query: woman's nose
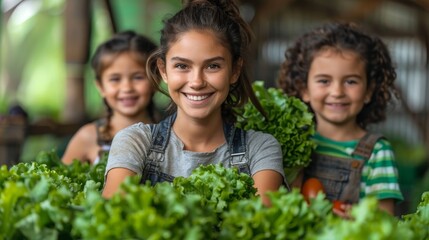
(197, 80)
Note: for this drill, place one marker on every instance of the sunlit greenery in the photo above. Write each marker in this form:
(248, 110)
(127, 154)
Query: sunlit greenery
(32, 66)
(32, 56)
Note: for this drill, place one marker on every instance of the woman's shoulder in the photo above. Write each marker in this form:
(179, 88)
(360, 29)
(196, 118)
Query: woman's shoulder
(260, 136)
(254, 133)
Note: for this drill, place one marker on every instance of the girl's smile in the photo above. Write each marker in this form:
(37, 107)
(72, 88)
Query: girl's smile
(125, 87)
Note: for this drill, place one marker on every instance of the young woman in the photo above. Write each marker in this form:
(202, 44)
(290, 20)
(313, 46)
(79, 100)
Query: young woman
(202, 61)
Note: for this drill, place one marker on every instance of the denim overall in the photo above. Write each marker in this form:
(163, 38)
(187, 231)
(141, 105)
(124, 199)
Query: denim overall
(235, 137)
(102, 140)
(341, 177)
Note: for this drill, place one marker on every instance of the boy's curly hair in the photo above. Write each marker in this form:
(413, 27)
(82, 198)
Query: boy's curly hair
(380, 71)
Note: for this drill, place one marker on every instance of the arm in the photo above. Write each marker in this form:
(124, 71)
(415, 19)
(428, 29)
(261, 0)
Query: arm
(267, 181)
(126, 158)
(383, 175)
(387, 205)
(114, 179)
(81, 145)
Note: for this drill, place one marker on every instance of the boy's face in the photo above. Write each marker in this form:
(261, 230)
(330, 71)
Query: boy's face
(337, 87)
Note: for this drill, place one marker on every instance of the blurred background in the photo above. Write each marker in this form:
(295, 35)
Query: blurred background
(46, 45)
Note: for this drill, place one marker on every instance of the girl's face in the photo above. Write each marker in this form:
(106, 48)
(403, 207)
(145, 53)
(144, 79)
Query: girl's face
(125, 86)
(337, 87)
(198, 72)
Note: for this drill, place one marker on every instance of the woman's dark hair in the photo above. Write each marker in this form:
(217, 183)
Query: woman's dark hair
(339, 36)
(222, 17)
(124, 42)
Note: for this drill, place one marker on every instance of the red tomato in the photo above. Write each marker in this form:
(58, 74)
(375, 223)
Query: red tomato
(336, 204)
(311, 188)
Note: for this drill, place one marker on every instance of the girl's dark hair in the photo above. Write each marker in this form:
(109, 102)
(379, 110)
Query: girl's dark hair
(380, 71)
(128, 41)
(222, 17)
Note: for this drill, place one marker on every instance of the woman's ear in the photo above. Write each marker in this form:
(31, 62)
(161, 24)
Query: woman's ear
(161, 67)
(236, 71)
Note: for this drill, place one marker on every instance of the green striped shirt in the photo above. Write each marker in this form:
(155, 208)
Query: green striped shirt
(379, 174)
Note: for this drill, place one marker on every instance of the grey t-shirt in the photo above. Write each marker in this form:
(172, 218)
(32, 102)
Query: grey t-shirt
(130, 146)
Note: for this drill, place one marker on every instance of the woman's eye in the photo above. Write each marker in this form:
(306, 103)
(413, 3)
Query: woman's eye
(180, 66)
(213, 66)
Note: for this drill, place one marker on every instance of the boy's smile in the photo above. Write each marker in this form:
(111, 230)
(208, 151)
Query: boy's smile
(337, 87)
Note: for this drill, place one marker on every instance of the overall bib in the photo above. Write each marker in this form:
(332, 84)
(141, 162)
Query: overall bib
(235, 137)
(341, 177)
(103, 140)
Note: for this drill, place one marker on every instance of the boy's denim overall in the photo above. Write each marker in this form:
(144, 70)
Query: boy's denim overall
(341, 177)
(235, 137)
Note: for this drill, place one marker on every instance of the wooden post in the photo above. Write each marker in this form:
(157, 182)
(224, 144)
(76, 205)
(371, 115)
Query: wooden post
(77, 36)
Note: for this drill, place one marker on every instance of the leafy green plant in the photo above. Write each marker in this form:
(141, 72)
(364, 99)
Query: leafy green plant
(418, 222)
(38, 202)
(289, 121)
(288, 217)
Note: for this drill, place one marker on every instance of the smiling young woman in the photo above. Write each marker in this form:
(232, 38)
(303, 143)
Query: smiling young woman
(201, 59)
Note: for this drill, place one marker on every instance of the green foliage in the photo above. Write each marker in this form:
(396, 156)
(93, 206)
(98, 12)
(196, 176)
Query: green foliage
(145, 212)
(289, 121)
(368, 222)
(218, 186)
(289, 217)
(33, 202)
(48, 200)
(418, 222)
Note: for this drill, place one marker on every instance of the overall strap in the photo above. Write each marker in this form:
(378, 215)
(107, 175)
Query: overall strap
(366, 145)
(236, 140)
(161, 134)
(160, 137)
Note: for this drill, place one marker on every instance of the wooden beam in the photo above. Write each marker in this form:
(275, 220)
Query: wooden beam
(77, 37)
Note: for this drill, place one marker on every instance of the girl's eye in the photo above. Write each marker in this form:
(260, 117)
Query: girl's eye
(114, 79)
(351, 81)
(139, 77)
(322, 81)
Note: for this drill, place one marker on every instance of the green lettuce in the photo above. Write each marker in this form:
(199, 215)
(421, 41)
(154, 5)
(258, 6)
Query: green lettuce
(289, 121)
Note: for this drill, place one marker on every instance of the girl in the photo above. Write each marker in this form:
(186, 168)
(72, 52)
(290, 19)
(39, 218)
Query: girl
(347, 78)
(202, 61)
(120, 68)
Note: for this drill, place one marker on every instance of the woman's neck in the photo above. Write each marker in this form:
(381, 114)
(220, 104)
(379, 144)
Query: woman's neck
(200, 135)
